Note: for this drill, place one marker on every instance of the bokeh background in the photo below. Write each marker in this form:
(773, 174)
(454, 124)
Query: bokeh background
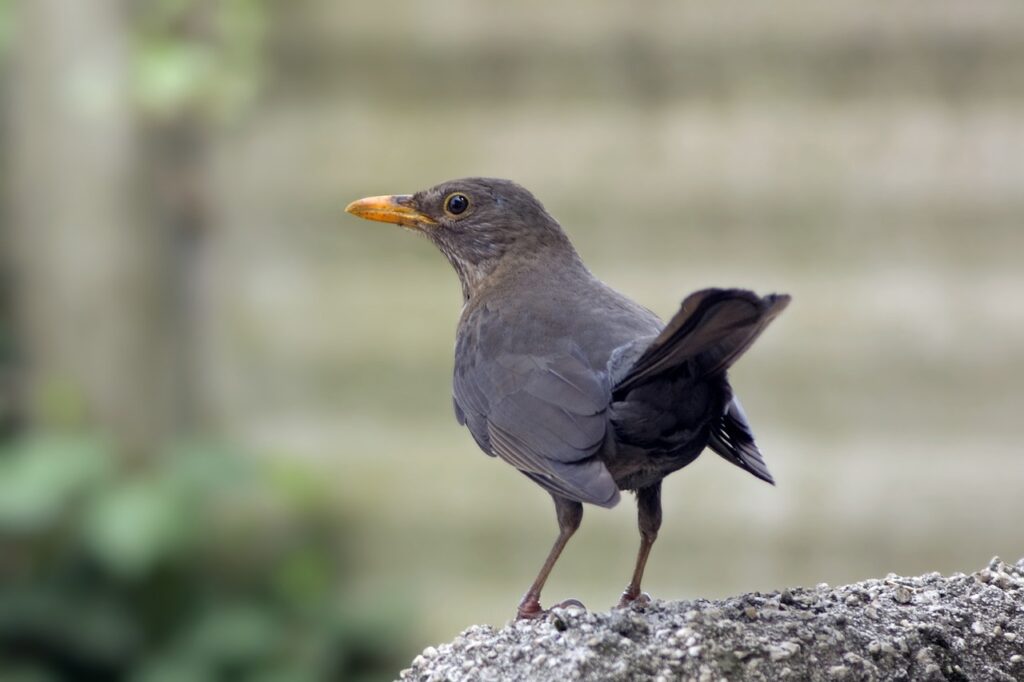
(228, 448)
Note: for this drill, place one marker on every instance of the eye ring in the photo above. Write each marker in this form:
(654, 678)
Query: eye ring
(456, 203)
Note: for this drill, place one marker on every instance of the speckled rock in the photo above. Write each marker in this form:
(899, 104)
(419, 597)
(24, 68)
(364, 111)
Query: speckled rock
(961, 627)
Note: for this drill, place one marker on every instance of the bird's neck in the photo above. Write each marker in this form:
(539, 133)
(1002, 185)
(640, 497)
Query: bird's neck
(472, 275)
(479, 276)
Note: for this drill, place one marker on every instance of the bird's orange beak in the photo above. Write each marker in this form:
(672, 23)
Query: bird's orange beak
(395, 209)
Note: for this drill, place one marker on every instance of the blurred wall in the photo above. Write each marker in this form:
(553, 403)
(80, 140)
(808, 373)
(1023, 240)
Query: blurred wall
(866, 158)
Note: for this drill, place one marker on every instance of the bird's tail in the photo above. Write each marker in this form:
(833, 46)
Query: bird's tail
(712, 329)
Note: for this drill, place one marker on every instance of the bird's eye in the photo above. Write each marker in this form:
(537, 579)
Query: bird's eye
(456, 203)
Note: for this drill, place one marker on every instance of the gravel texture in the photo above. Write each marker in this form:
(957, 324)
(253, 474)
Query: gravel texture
(961, 627)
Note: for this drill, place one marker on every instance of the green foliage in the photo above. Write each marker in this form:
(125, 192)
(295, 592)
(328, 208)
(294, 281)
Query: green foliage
(198, 565)
(198, 57)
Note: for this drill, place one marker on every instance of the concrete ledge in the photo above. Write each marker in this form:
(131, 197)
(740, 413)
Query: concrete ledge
(961, 627)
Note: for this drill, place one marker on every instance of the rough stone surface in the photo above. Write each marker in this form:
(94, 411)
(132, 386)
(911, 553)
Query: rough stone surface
(961, 627)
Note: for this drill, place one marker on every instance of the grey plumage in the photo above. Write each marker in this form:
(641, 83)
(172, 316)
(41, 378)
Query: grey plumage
(579, 388)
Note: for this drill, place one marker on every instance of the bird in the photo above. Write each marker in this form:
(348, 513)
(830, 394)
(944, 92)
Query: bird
(575, 385)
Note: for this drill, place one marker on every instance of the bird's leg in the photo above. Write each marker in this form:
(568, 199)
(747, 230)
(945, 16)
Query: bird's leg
(570, 513)
(648, 508)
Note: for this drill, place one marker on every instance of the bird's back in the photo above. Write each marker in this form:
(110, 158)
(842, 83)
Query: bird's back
(570, 308)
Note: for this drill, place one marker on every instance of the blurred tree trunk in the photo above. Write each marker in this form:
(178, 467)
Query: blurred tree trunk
(91, 264)
(176, 158)
(12, 402)
(178, 174)
(11, 393)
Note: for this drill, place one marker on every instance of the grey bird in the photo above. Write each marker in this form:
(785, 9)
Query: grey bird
(579, 388)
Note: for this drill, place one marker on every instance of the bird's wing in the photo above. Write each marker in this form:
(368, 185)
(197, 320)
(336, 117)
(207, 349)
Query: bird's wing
(546, 416)
(732, 438)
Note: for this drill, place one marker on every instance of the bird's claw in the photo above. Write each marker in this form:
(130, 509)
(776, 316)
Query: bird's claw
(531, 609)
(633, 599)
(569, 604)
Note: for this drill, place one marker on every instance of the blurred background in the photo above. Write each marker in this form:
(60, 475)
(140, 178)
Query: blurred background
(227, 448)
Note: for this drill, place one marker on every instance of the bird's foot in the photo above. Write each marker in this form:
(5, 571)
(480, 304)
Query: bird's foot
(530, 608)
(633, 598)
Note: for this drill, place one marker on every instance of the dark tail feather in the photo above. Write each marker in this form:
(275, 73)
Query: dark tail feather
(712, 329)
(732, 438)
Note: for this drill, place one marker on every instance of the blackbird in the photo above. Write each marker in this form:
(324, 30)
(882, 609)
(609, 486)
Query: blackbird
(579, 388)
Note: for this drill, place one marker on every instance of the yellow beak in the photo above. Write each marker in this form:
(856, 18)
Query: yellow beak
(390, 209)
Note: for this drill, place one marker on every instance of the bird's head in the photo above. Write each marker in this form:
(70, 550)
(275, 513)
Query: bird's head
(478, 223)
